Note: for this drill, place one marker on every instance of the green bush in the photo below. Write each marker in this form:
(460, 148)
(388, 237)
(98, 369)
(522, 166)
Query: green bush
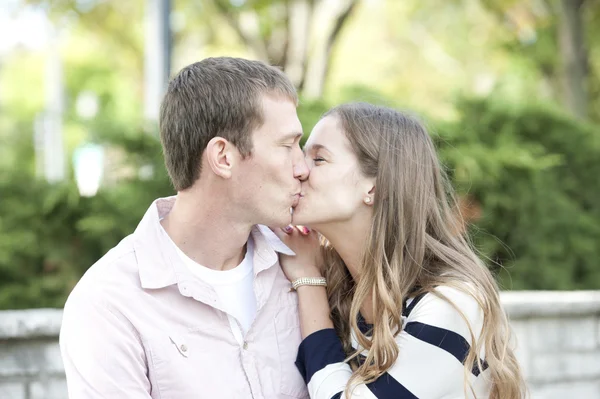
(536, 175)
(533, 172)
(51, 235)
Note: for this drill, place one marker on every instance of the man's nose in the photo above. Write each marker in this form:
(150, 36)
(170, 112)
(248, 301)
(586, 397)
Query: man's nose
(301, 170)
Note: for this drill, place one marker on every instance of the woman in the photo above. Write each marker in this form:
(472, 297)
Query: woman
(409, 310)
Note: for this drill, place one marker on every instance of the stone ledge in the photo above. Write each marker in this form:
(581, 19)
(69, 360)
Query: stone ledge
(26, 358)
(30, 323)
(526, 304)
(34, 323)
(12, 390)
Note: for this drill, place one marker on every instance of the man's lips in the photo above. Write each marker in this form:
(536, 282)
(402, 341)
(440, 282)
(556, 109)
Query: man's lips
(296, 199)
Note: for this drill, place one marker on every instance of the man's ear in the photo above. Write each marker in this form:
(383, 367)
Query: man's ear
(221, 156)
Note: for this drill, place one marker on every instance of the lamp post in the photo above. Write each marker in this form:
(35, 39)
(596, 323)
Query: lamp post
(88, 159)
(157, 65)
(157, 54)
(50, 124)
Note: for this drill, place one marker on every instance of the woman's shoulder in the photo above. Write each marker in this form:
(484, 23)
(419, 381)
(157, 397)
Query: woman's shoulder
(465, 295)
(449, 307)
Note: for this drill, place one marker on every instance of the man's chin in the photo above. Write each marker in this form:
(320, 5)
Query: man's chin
(303, 217)
(298, 217)
(284, 220)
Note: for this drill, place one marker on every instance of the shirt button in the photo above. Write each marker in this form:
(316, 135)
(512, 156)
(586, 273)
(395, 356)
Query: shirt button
(245, 345)
(183, 348)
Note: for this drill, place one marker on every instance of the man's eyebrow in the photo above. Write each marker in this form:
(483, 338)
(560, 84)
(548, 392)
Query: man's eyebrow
(291, 136)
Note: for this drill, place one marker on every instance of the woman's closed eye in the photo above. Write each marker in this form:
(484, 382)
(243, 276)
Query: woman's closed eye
(318, 160)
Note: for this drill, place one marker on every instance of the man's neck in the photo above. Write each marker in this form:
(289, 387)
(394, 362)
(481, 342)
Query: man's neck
(201, 227)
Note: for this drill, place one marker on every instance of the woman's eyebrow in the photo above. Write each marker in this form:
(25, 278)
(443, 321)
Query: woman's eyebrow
(317, 147)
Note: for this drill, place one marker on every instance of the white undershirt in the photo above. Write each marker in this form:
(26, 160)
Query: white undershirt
(234, 287)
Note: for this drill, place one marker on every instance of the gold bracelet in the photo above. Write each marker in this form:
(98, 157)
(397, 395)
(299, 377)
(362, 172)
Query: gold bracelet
(320, 281)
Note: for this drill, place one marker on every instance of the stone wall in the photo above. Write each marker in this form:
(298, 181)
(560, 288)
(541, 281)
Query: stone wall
(30, 363)
(558, 336)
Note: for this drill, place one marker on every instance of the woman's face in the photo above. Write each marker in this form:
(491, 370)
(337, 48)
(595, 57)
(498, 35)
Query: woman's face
(335, 189)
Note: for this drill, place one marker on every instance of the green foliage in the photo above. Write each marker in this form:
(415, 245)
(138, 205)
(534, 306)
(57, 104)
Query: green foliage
(39, 247)
(309, 113)
(51, 235)
(532, 170)
(535, 173)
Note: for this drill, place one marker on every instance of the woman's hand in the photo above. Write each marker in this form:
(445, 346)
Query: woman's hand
(313, 307)
(305, 243)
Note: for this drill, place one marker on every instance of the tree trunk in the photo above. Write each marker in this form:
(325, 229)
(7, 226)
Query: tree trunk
(574, 57)
(299, 28)
(333, 14)
(303, 41)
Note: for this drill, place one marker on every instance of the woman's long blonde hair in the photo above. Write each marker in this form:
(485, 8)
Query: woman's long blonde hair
(415, 242)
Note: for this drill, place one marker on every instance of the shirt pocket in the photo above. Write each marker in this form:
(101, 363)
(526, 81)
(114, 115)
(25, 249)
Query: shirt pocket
(189, 365)
(287, 328)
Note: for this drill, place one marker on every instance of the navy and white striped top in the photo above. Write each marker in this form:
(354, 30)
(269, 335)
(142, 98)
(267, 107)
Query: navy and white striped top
(433, 345)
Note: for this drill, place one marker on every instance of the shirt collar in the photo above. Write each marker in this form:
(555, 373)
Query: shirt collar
(161, 266)
(155, 254)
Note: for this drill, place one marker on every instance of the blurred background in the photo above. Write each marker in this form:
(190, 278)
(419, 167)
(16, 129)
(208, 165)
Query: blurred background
(510, 90)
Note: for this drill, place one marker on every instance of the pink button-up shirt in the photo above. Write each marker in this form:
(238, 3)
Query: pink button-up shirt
(140, 325)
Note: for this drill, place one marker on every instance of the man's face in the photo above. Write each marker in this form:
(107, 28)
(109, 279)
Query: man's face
(269, 180)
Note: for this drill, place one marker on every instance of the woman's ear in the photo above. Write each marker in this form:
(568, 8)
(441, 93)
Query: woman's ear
(220, 156)
(369, 198)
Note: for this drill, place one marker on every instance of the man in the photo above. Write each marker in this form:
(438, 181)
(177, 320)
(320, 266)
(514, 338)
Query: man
(194, 304)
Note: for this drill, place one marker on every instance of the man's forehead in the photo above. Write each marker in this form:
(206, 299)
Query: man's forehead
(278, 135)
(282, 122)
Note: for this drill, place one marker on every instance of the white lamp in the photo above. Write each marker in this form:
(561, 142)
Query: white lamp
(88, 163)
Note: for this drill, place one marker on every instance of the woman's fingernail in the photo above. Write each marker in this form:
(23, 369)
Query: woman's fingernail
(288, 229)
(306, 230)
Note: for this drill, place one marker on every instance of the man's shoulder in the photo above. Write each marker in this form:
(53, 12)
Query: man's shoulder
(117, 270)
